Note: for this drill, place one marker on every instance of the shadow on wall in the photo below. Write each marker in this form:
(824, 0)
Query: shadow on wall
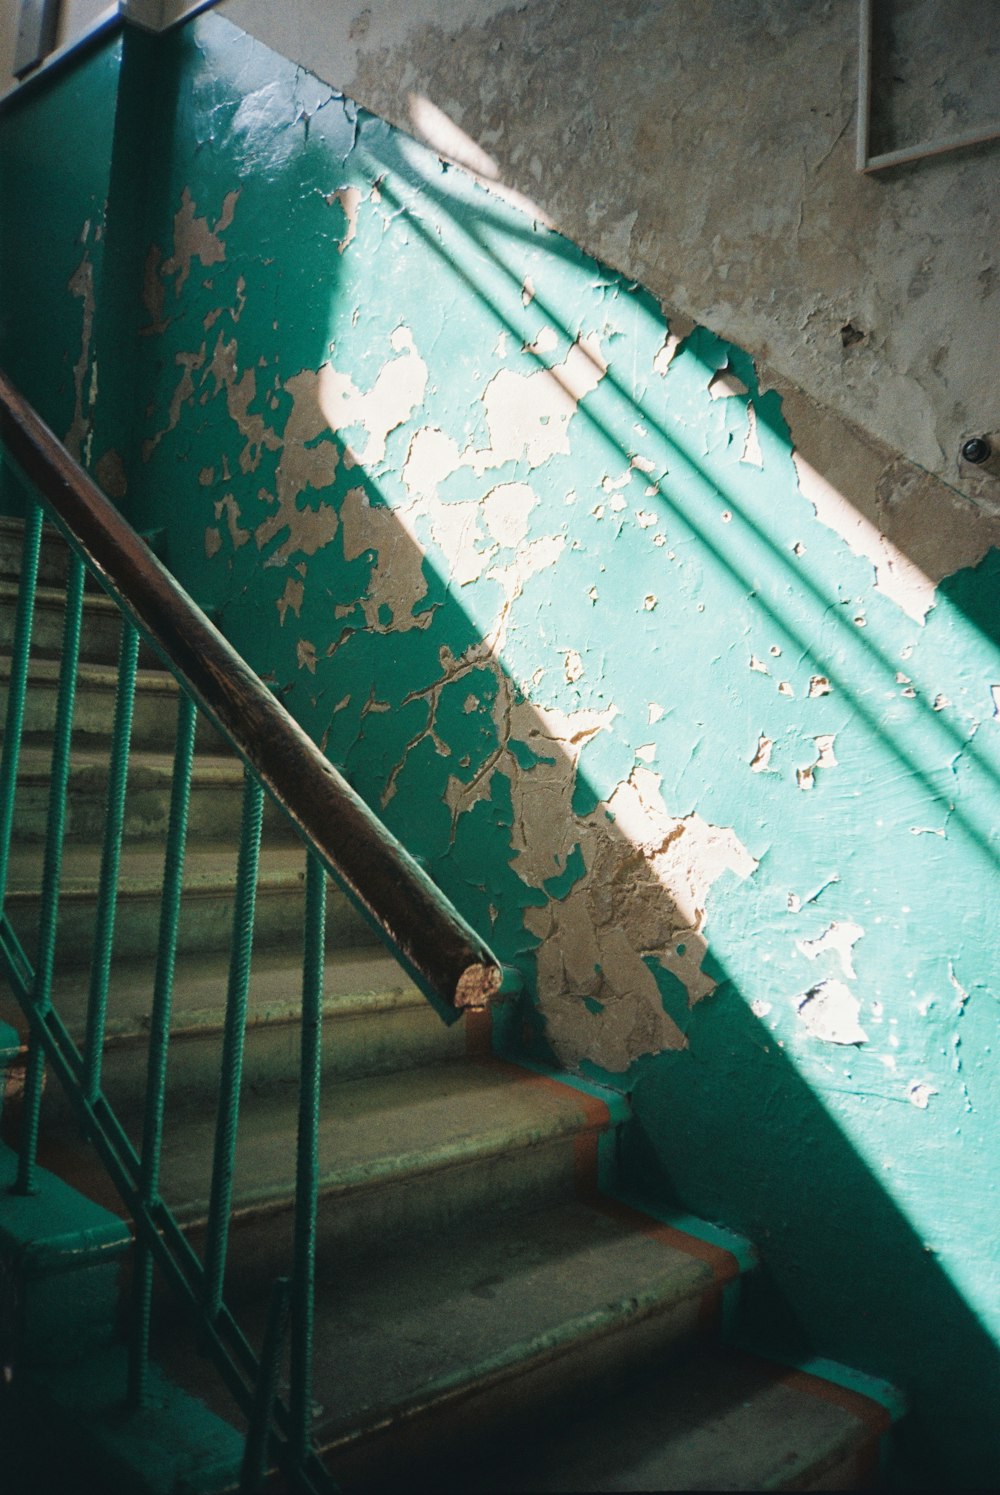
(681, 737)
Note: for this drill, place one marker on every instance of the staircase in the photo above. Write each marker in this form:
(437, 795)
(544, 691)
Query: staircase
(488, 1317)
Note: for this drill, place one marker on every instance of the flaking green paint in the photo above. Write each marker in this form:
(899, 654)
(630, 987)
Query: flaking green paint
(600, 664)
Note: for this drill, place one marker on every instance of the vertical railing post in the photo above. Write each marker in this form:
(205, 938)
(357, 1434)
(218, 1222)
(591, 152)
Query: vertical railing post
(255, 1449)
(48, 916)
(307, 1164)
(159, 1039)
(107, 895)
(220, 1198)
(17, 688)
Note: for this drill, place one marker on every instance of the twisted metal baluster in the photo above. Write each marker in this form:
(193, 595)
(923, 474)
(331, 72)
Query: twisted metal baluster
(159, 1039)
(307, 1164)
(48, 918)
(107, 895)
(220, 1199)
(17, 688)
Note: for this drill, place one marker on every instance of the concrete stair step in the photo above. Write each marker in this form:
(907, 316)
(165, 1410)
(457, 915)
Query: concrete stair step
(487, 1330)
(101, 628)
(53, 559)
(155, 713)
(374, 1022)
(415, 1154)
(205, 922)
(724, 1420)
(216, 802)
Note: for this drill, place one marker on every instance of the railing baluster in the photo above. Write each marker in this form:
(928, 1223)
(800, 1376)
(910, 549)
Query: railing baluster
(259, 1423)
(48, 916)
(107, 897)
(17, 688)
(220, 1199)
(159, 1038)
(307, 1163)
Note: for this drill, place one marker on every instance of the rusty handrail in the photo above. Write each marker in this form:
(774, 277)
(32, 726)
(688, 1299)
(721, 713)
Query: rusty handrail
(442, 953)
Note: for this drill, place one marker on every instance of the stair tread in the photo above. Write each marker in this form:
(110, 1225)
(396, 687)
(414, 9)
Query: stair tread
(145, 764)
(49, 596)
(728, 1421)
(414, 1328)
(360, 979)
(208, 867)
(105, 676)
(372, 1130)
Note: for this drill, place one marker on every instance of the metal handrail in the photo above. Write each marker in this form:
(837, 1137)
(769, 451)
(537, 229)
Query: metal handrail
(434, 944)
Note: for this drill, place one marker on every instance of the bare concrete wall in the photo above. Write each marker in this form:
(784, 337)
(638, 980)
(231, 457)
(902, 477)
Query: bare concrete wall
(708, 150)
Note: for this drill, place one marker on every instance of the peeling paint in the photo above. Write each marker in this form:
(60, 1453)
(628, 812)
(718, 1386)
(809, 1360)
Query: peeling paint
(830, 1013)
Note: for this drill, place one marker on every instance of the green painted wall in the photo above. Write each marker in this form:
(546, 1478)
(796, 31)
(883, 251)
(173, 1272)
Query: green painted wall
(551, 585)
(54, 187)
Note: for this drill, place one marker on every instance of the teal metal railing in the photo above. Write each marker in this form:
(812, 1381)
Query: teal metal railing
(440, 952)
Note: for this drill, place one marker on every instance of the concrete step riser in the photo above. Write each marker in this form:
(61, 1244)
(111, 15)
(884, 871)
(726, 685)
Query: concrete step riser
(519, 1404)
(371, 1220)
(99, 637)
(378, 1043)
(53, 560)
(205, 923)
(154, 719)
(214, 814)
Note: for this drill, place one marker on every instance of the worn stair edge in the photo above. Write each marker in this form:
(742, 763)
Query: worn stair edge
(442, 1146)
(215, 806)
(725, 1420)
(206, 900)
(101, 623)
(587, 1355)
(364, 1033)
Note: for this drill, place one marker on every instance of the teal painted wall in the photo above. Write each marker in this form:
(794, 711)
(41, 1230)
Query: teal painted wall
(552, 587)
(55, 183)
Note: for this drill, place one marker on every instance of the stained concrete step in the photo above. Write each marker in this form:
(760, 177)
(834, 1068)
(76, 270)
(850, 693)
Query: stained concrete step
(100, 630)
(53, 559)
(374, 1021)
(489, 1329)
(723, 1420)
(411, 1155)
(215, 810)
(206, 916)
(155, 712)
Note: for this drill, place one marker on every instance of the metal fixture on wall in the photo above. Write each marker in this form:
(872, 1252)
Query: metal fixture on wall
(909, 153)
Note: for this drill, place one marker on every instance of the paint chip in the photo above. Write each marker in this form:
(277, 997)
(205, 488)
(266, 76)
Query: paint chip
(646, 753)
(649, 602)
(784, 689)
(725, 385)
(572, 666)
(751, 453)
(830, 1012)
(819, 685)
(758, 665)
(840, 937)
(919, 1093)
(762, 757)
(527, 291)
(656, 713)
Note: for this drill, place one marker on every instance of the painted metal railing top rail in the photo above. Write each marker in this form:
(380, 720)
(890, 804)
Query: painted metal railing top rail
(342, 838)
(444, 956)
